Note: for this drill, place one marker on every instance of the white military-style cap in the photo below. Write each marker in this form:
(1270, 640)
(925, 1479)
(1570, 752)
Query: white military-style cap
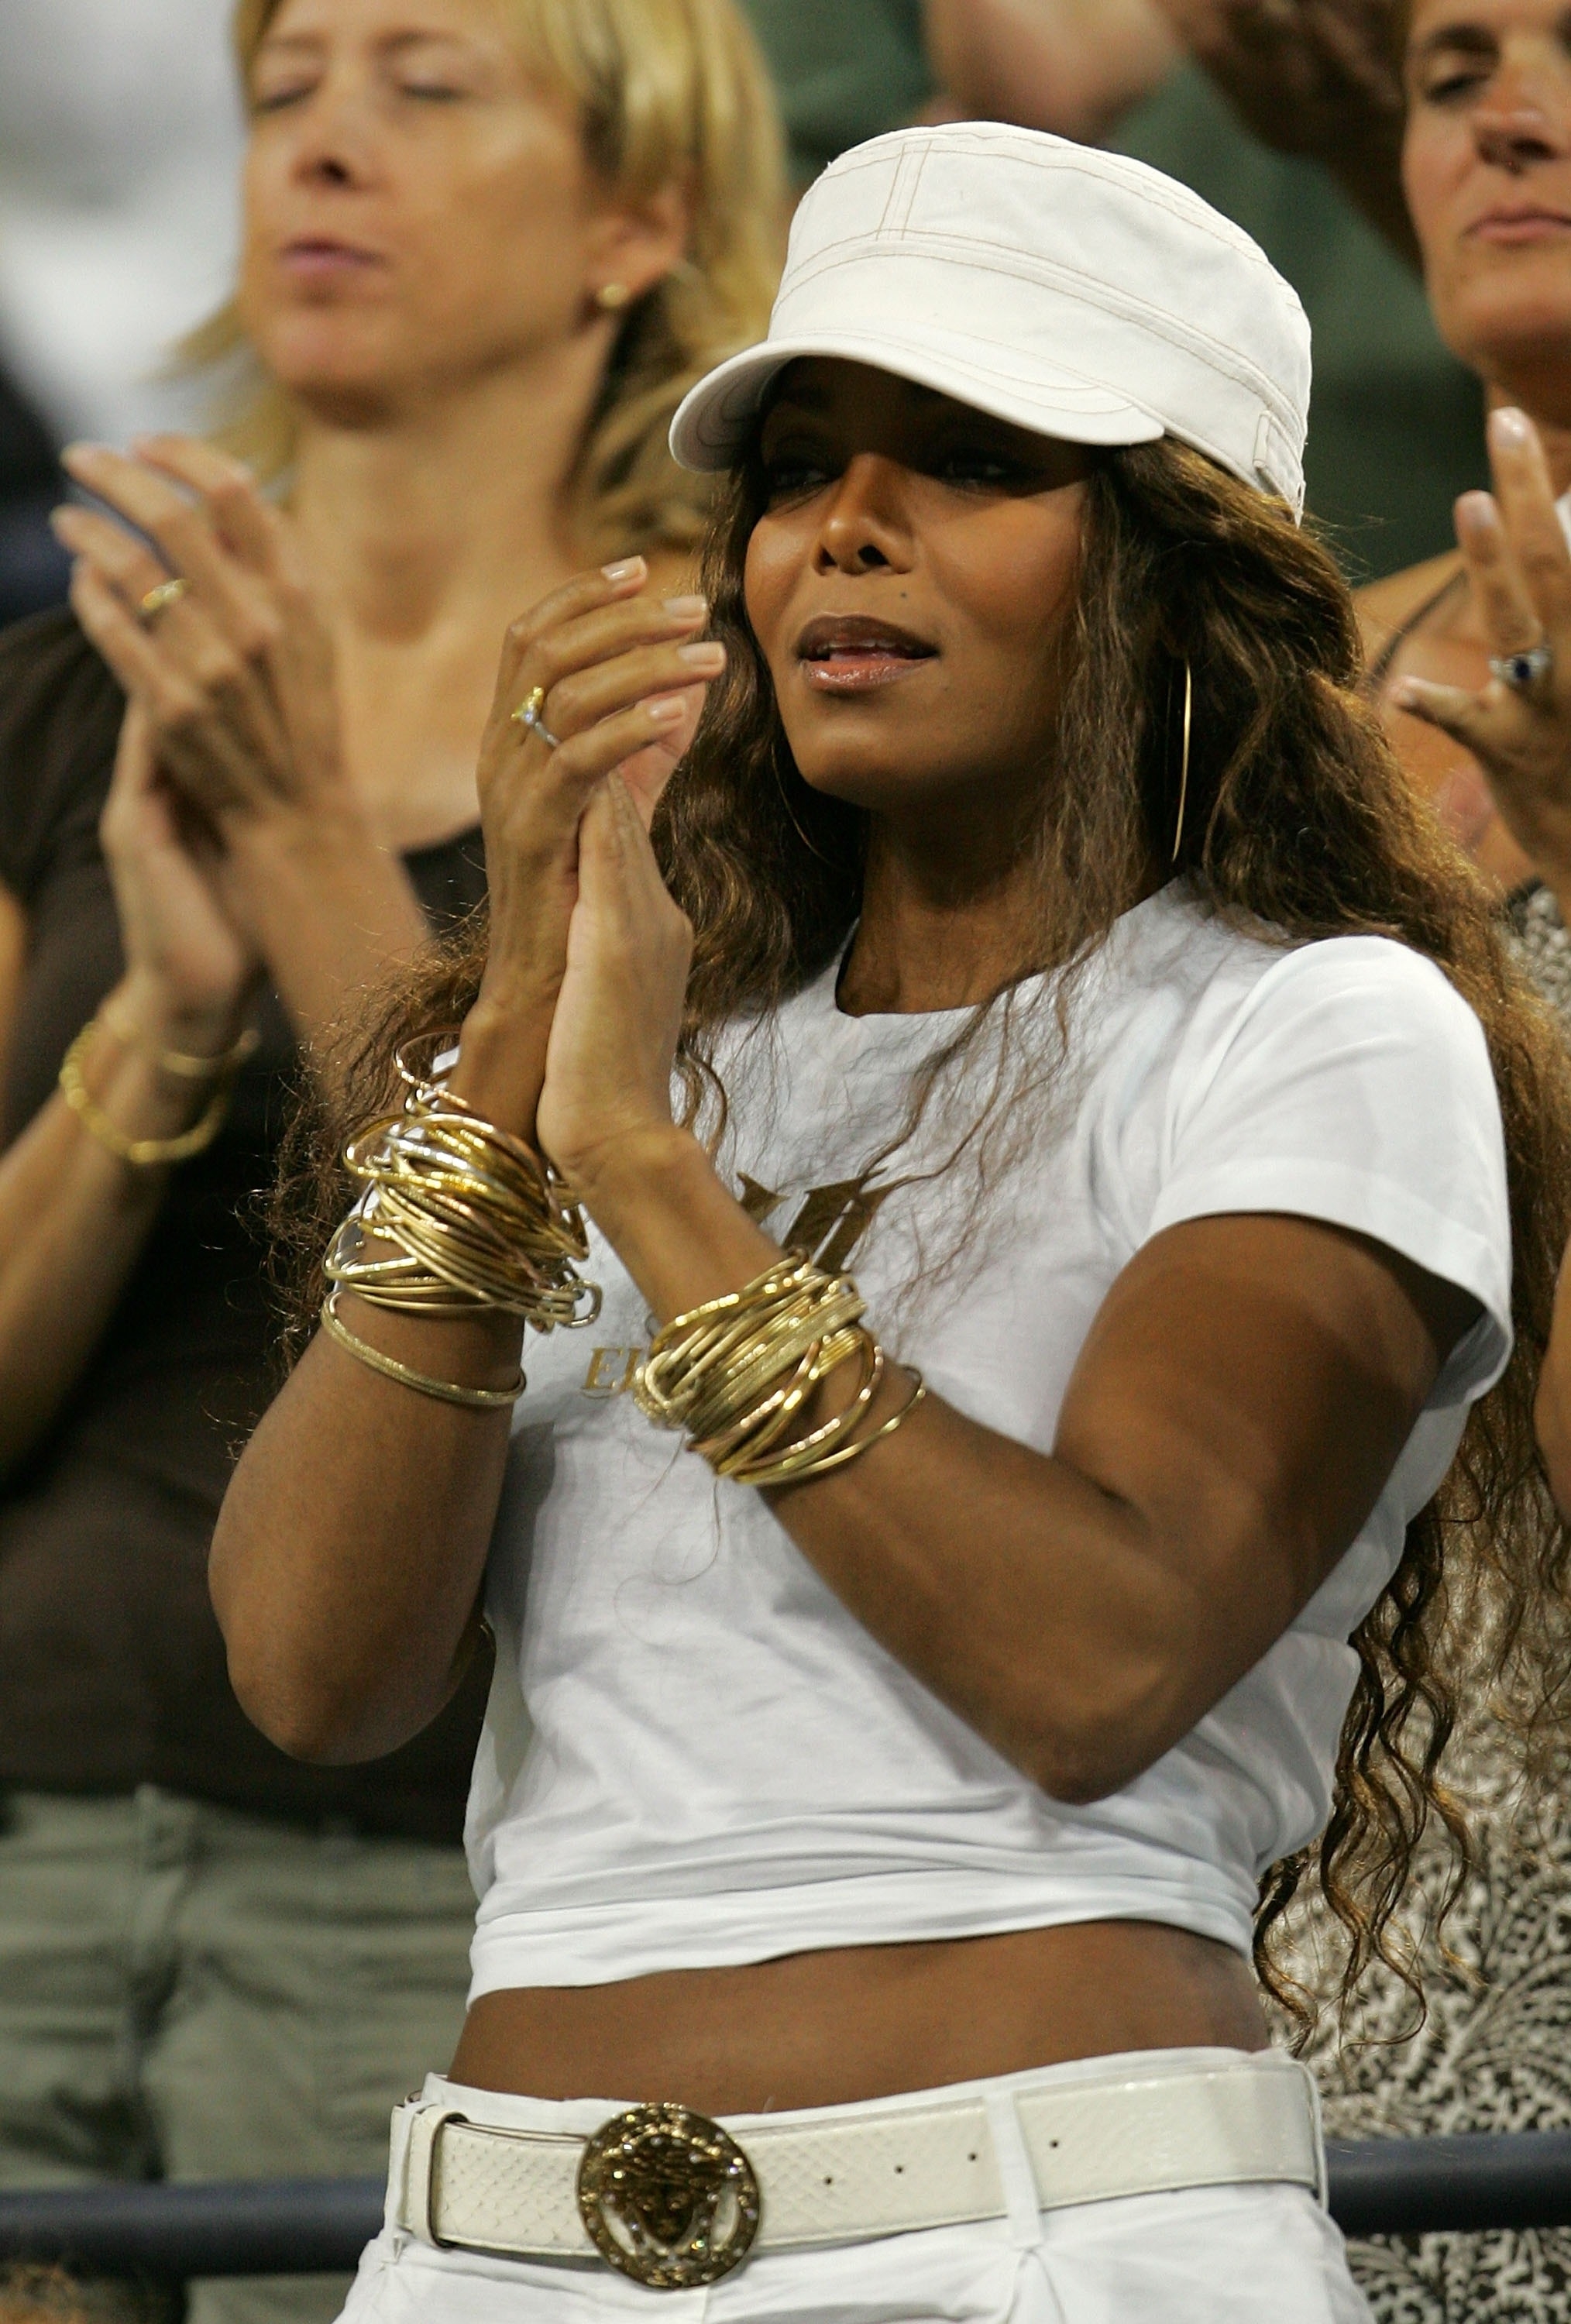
(1075, 292)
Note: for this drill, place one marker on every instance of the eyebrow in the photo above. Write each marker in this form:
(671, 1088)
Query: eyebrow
(1471, 40)
(410, 37)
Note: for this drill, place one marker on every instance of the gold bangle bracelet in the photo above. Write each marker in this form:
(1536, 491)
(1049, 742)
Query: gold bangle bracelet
(481, 1400)
(141, 1153)
(736, 1373)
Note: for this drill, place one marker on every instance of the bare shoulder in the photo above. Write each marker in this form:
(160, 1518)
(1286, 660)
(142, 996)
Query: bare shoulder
(1384, 605)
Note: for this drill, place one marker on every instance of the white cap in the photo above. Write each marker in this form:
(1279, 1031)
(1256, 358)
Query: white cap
(1077, 293)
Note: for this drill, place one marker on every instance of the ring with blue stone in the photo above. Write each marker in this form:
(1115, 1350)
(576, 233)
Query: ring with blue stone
(1524, 670)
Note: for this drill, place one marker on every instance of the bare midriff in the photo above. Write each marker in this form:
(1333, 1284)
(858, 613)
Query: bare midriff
(861, 2022)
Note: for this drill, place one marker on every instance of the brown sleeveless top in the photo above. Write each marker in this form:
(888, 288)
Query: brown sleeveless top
(112, 1671)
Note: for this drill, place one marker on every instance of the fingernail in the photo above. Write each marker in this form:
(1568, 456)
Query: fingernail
(1475, 512)
(626, 569)
(1508, 425)
(705, 655)
(685, 609)
(665, 709)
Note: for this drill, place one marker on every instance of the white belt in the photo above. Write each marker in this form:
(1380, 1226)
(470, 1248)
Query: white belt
(845, 2175)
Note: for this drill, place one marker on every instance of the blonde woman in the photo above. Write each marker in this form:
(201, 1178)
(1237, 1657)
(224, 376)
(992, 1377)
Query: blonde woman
(488, 245)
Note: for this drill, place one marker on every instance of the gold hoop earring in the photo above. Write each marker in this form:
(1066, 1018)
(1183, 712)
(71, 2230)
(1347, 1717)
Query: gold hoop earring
(1184, 769)
(612, 296)
(795, 825)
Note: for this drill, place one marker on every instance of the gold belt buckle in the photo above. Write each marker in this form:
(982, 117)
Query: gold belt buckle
(668, 2197)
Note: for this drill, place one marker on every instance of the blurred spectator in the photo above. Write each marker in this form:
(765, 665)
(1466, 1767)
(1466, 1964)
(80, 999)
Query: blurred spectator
(461, 339)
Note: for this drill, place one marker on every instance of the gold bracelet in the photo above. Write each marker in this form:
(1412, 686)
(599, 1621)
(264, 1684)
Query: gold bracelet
(734, 1373)
(483, 1399)
(183, 1064)
(477, 1218)
(141, 1153)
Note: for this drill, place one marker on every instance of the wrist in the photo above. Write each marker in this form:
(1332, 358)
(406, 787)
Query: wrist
(635, 1173)
(307, 836)
(501, 1064)
(161, 1017)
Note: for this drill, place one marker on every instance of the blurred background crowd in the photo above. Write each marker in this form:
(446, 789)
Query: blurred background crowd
(214, 1963)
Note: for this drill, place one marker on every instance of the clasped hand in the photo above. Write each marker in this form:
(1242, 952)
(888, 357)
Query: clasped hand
(233, 726)
(574, 1033)
(234, 677)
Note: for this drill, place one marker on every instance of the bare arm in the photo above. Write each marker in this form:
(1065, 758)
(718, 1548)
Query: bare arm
(349, 1550)
(74, 1217)
(1081, 1609)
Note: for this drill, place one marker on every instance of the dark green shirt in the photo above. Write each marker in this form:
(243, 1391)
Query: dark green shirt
(845, 69)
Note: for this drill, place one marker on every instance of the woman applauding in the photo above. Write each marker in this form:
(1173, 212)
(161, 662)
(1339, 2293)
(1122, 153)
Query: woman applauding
(1033, 1125)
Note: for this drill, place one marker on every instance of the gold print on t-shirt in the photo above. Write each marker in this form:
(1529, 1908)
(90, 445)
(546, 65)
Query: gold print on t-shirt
(832, 1220)
(828, 1229)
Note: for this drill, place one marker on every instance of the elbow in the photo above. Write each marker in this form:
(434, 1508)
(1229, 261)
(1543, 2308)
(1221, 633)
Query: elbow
(305, 1720)
(1077, 1770)
(1088, 1746)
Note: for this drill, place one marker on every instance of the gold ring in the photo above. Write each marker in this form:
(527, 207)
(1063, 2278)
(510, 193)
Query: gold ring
(528, 714)
(158, 600)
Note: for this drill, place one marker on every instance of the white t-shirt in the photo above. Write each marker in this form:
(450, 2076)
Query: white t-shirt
(693, 1753)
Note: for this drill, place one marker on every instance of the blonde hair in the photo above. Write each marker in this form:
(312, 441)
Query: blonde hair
(668, 92)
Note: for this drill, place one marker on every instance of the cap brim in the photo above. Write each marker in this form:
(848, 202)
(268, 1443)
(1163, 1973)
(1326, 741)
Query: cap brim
(714, 421)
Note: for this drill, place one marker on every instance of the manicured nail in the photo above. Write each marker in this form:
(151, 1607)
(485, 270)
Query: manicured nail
(706, 655)
(1477, 515)
(685, 609)
(665, 709)
(1403, 696)
(1509, 426)
(625, 569)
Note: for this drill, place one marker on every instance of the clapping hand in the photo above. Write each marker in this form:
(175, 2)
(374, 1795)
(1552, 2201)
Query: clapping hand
(1518, 726)
(601, 684)
(211, 630)
(190, 970)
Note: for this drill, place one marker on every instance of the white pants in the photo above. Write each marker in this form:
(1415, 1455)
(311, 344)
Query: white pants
(1254, 2254)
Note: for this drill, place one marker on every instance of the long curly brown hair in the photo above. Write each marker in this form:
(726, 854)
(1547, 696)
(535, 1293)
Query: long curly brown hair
(1298, 824)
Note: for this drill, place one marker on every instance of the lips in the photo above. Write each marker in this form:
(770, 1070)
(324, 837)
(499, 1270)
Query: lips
(852, 653)
(323, 258)
(1521, 223)
(838, 637)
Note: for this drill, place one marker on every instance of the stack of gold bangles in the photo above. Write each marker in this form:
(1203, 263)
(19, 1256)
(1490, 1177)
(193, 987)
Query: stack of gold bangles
(475, 1221)
(736, 1373)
